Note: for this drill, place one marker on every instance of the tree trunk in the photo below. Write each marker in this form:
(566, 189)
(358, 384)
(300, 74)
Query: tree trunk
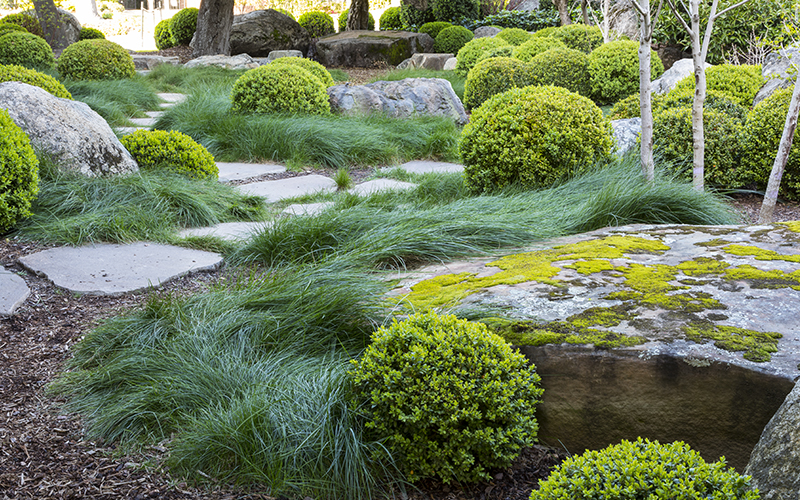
(358, 16)
(645, 102)
(585, 12)
(213, 35)
(698, 134)
(54, 29)
(563, 11)
(771, 195)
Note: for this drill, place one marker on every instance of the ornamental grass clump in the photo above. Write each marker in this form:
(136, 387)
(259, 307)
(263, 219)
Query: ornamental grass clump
(26, 49)
(614, 70)
(19, 173)
(494, 76)
(280, 88)
(95, 60)
(14, 73)
(469, 54)
(449, 399)
(174, 151)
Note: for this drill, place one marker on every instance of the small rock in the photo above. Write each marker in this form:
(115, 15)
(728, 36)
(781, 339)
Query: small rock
(486, 32)
(240, 61)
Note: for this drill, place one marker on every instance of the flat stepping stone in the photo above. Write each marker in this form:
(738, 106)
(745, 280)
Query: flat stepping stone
(13, 292)
(378, 185)
(426, 167)
(229, 231)
(237, 171)
(281, 189)
(128, 130)
(143, 122)
(154, 114)
(111, 269)
(171, 98)
(307, 208)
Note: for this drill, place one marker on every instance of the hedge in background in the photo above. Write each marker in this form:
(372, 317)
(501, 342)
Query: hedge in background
(566, 68)
(451, 40)
(390, 19)
(183, 25)
(742, 82)
(162, 35)
(535, 46)
(578, 36)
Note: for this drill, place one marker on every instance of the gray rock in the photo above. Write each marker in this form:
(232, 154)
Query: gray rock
(450, 64)
(240, 61)
(680, 70)
(527, 5)
(400, 99)
(430, 61)
(623, 19)
(277, 54)
(148, 62)
(76, 136)
(365, 49)
(407, 64)
(775, 461)
(486, 32)
(13, 292)
(776, 70)
(260, 32)
(626, 133)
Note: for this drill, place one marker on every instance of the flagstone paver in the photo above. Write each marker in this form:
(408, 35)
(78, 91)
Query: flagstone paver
(378, 185)
(13, 292)
(425, 167)
(288, 188)
(237, 171)
(231, 231)
(171, 98)
(143, 122)
(307, 208)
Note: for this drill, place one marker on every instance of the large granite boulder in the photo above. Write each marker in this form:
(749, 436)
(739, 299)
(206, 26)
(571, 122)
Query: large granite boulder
(399, 99)
(776, 69)
(487, 31)
(623, 19)
(421, 60)
(260, 32)
(76, 136)
(149, 61)
(365, 49)
(775, 462)
(72, 27)
(626, 133)
(240, 61)
(680, 70)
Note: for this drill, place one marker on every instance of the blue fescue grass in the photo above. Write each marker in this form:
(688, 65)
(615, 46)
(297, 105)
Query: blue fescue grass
(116, 100)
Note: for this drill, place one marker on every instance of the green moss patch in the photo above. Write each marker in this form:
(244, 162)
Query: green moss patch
(757, 346)
(759, 253)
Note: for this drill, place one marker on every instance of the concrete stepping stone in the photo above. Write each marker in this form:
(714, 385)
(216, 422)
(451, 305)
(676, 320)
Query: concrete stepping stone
(289, 188)
(111, 269)
(154, 114)
(13, 292)
(171, 98)
(128, 130)
(143, 122)
(229, 231)
(378, 185)
(425, 167)
(237, 171)
(307, 208)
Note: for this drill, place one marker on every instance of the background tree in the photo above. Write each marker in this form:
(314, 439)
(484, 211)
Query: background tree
(213, 34)
(563, 11)
(358, 16)
(54, 29)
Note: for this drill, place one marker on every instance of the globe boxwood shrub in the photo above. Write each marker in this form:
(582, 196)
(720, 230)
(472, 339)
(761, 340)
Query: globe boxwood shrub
(515, 36)
(27, 21)
(14, 73)
(545, 32)
(390, 19)
(343, 21)
(162, 35)
(614, 70)
(629, 107)
(579, 36)
(9, 27)
(535, 46)
(451, 399)
(90, 34)
(566, 68)
(317, 23)
(25, 49)
(175, 151)
(183, 25)
(450, 40)
(434, 28)
(742, 82)
(715, 100)
(643, 469)
(533, 136)
(469, 54)
(494, 76)
(506, 51)
(19, 173)
(95, 60)
(453, 10)
(313, 67)
(280, 88)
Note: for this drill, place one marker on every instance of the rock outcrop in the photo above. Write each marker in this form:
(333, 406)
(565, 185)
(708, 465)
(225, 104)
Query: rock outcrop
(680, 70)
(240, 61)
(148, 62)
(435, 62)
(365, 49)
(259, 32)
(626, 133)
(487, 31)
(776, 69)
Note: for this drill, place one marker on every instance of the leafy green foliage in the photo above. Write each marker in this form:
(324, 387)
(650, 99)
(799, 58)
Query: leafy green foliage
(280, 88)
(90, 34)
(434, 28)
(644, 469)
(494, 76)
(162, 35)
(506, 51)
(629, 106)
(469, 54)
(578, 36)
(412, 16)
(313, 67)
(25, 49)
(95, 60)
(14, 73)
(183, 25)
(159, 149)
(533, 20)
(27, 21)
(561, 67)
(9, 27)
(19, 179)
(390, 19)
(614, 70)
(453, 10)
(741, 82)
(451, 399)
(343, 21)
(317, 23)
(451, 40)
(532, 136)
(535, 46)
(514, 36)
(715, 100)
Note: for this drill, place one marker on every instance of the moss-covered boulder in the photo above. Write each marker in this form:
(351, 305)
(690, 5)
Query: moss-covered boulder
(364, 49)
(259, 32)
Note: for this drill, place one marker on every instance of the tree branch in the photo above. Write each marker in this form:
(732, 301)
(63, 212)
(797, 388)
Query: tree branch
(683, 23)
(729, 8)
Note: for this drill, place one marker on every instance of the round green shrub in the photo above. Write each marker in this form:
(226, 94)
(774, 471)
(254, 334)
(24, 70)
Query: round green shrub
(715, 100)
(91, 34)
(317, 23)
(162, 35)
(469, 54)
(390, 19)
(629, 107)
(566, 68)
(313, 67)
(95, 60)
(434, 28)
(284, 12)
(450, 40)
(19, 173)
(760, 140)
(515, 36)
(742, 82)
(183, 25)
(507, 51)
(14, 73)
(494, 76)
(27, 21)
(614, 70)
(454, 10)
(174, 151)
(643, 469)
(412, 16)
(533, 136)
(546, 32)
(579, 36)
(535, 46)
(25, 49)
(9, 27)
(280, 88)
(343, 21)
(451, 399)
(672, 136)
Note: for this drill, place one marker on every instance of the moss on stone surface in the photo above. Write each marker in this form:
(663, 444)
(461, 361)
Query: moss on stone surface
(758, 278)
(757, 346)
(793, 226)
(759, 253)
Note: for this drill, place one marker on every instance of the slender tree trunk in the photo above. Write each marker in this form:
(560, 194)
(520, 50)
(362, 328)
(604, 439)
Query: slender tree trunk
(213, 35)
(54, 29)
(698, 134)
(358, 16)
(771, 195)
(563, 11)
(645, 102)
(585, 12)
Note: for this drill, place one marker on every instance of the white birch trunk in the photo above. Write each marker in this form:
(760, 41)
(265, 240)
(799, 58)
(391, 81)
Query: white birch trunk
(698, 135)
(645, 102)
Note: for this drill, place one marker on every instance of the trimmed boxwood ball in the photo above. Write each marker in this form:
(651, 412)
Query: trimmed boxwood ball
(434, 28)
(162, 35)
(343, 21)
(494, 76)
(90, 34)
(451, 40)
(14, 73)
(19, 173)
(469, 54)
(25, 49)
(317, 23)
(453, 10)
(95, 60)
(545, 32)
(629, 107)
(535, 46)
(448, 398)
(742, 82)
(715, 100)
(390, 19)
(280, 88)
(579, 36)
(614, 70)
(507, 51)
(27, 21)
(515, 36)
(566, 68)
(183, 25)
(533, 136)
(313, 67)
(9, 27)
(174, 151)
